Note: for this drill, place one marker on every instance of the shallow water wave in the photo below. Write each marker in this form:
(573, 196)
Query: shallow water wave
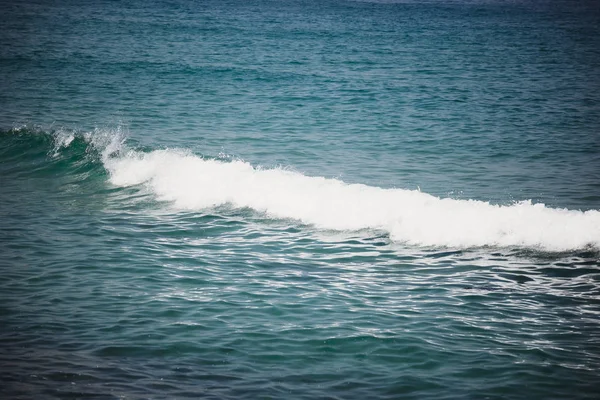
(193, 183)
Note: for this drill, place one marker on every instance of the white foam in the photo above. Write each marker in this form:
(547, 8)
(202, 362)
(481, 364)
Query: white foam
(193, 183)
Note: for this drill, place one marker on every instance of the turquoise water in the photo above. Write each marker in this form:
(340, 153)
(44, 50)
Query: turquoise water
(300, 199)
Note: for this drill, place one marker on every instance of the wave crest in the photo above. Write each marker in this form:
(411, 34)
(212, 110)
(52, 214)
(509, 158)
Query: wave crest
(191, 182)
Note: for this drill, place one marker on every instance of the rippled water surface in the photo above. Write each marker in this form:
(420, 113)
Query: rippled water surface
(299, 199)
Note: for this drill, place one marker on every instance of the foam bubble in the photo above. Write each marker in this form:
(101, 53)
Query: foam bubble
(193, 183)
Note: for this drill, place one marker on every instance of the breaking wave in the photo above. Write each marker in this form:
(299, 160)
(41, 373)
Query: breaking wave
(195, 183)
(191, 182)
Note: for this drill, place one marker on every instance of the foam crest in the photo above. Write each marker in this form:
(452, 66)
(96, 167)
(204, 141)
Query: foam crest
(193, 183)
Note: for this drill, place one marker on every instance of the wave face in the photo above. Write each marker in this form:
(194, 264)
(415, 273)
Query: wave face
(27, 149)
(191, 182)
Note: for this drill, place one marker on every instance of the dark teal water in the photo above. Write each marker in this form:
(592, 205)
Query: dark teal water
(299, 199)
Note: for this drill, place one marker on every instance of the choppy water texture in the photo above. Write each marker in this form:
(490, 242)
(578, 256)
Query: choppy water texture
(300, 199)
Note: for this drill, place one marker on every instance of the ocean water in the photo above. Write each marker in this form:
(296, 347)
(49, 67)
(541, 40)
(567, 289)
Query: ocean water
(300, 199)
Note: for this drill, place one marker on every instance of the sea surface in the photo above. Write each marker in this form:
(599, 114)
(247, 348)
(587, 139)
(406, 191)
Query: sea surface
(299, 199)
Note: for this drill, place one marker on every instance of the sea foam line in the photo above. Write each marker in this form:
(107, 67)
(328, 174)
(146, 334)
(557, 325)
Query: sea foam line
(193, 183)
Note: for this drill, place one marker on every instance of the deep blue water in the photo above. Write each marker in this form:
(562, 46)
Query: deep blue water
(300, 199)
